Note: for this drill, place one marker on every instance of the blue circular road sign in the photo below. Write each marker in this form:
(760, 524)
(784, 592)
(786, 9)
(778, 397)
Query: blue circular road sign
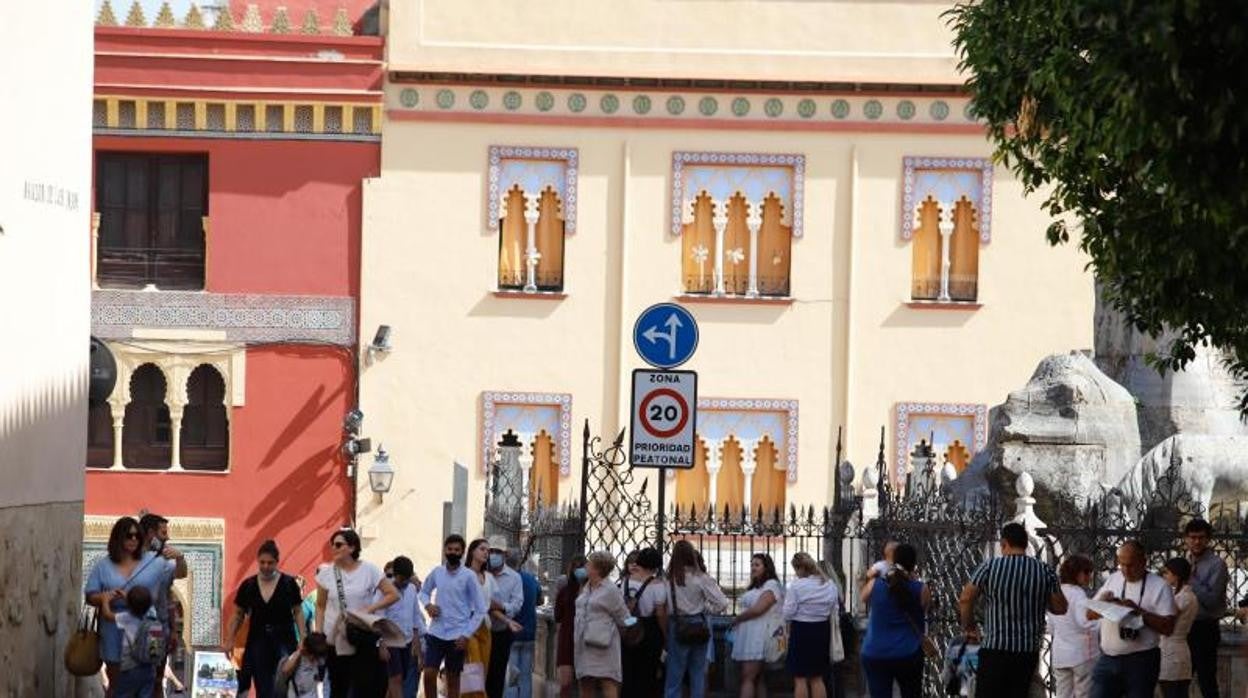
(665, 335)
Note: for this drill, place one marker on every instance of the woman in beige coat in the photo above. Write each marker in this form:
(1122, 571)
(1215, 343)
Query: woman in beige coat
(600, 611)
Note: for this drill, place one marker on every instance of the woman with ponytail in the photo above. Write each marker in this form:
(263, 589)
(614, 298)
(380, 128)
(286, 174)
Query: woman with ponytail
(893, 649)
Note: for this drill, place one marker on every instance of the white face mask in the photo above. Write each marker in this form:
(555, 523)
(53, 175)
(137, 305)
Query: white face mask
(268, 576)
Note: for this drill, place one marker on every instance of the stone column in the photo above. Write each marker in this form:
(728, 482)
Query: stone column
(714, 460)
(175, 440)
(95, 250)
(753, 221)
(946, 233)
(531, 255)
(720, 220)
(749, 464)
(118, 410)
(529, 441)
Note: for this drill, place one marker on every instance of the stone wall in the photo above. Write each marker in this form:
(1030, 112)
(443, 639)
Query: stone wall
(40, 573)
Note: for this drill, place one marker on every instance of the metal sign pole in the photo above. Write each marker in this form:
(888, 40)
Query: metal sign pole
(660, 527)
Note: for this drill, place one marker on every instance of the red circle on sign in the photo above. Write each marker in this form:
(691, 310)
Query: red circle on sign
(664, 433)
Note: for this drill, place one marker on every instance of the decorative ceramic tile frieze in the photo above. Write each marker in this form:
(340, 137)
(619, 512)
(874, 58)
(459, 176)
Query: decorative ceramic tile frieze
(752, 419)
(198, 118)
(526, 413)
(115, 314)
(946, 179)
(665, 105)
(722, 175)
(941, 422)
(533, 170)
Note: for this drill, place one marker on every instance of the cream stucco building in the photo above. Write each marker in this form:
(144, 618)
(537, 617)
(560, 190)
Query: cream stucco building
(804, 177)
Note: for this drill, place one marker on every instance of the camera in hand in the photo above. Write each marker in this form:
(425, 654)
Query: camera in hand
(1128, 634)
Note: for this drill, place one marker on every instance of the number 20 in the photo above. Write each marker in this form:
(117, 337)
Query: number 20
(658, 413)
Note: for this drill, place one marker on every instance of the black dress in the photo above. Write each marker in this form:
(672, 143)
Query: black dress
(272, 631)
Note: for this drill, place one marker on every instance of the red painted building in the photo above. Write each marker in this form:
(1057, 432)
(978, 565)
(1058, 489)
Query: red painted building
(228, 171)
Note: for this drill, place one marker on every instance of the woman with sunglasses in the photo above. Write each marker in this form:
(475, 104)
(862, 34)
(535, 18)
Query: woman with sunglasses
(344, 584)
(125, 567)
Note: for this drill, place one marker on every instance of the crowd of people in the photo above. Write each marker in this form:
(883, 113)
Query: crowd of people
(380, 632)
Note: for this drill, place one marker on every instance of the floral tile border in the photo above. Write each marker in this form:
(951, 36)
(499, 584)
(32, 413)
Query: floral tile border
(955, 409)
(490, 400)
(911, 165)
(567, 195)
(666, 105)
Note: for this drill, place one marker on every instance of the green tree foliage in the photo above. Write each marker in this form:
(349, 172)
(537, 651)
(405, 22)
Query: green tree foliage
(1132, 117)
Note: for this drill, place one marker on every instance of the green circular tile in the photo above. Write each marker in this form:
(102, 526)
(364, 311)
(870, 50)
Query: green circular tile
(873, 109)
(409, 97)
(609, 103)
(905, 110)
(939, 110)
(740, 106)
(675, 105)
(773, 107)
(545, 101)
(512, 100)
(840, 108)
(479, 99)
(707, 106)
(445, 99)
(968, 112)
(806, 108)
(577, 102)
(641, 104)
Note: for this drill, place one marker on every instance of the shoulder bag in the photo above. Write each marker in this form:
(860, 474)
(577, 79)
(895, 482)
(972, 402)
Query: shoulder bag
(356, 636)
(690, 630)
(82, 652)
(632, 635)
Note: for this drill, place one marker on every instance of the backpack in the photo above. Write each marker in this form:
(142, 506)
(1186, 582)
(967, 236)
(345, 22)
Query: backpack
(148, 646)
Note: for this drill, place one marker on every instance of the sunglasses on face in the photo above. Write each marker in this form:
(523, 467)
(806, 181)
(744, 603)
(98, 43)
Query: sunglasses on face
(340, 544)
(133, 535)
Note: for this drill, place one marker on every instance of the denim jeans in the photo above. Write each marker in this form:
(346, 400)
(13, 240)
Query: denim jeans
(135, 683)
(682, 659)
(1131, 675)
(522, 664)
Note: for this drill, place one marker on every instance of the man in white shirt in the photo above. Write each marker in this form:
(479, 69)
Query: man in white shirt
(505, 605)
(1130, 657)
(453, 600)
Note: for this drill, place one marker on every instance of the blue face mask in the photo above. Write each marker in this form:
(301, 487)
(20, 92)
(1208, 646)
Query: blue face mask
(496, 561)
(580, 574)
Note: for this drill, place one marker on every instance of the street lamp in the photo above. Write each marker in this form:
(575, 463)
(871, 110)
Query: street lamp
(381, 475)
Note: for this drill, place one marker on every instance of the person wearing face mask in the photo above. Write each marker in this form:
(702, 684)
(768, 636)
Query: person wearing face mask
(406, 614)
(452, 598)
(155, 529)
(505, 603)
(272, 602)
(565, 617)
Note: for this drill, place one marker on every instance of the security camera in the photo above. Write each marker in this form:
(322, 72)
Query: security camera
(381, 340)
(353, 448)
(352, 421)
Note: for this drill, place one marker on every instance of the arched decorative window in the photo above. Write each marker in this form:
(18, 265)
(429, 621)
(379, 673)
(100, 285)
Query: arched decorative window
(693, 484)
(544, 477)
(147, 429)
(532, 205)
(737, 215)
(205, 441)
(99, 434)
(730, 481)
(946, 211)
(768, 482)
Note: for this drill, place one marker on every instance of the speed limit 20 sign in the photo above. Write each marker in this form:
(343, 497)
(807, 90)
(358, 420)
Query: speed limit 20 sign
(664, 418)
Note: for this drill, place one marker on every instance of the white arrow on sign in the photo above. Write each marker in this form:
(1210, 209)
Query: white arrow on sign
(653, 334)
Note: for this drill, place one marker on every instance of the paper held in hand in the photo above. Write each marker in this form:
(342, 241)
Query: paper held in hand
(1115, 613)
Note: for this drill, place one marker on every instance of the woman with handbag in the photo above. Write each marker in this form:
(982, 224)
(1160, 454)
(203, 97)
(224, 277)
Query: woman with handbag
(808, 606)
(759, 629)
(565, 620)
(894, 649)
(600, 612)
(645, 594)
(694, 595)
(477, 653)
(345, 584)
(272, 602)
(124, 567)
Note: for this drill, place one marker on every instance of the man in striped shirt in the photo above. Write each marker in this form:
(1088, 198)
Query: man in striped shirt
(1015, 591)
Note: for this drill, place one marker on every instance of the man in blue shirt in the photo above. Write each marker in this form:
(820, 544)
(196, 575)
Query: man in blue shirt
(456, 606)
(522, 648)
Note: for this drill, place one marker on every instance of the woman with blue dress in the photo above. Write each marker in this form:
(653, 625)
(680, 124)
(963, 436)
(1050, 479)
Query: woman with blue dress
(125, 567)
(897, 607)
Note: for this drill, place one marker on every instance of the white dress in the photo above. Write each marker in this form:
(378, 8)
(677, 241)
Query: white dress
(750, 637)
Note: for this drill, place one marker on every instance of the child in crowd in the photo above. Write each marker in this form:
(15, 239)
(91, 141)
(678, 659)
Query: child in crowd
(880, 569)
(304, 666)
(141, 646)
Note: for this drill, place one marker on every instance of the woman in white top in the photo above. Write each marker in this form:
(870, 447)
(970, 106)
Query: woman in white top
(1076, 640)
(1176, 657)
(692, 595)
(808, 605)
(755, 626)
(350, 584)
(478, 649)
